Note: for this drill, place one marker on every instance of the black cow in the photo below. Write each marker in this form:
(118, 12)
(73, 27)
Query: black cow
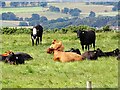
(86, 38)
(90, 55)
(100, 53)
(15, 59)
(36, 33)
(24, 55)
(74, 50)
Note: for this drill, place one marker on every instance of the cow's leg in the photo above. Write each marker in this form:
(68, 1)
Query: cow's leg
(94, 45)
(32, 42)
(37, 40)
(88, 47)
(83, 47)
(41, 40)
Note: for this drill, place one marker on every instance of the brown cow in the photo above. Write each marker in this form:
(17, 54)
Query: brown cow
(59, 55)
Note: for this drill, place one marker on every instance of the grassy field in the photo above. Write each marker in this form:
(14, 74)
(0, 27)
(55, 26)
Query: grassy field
(43, 72)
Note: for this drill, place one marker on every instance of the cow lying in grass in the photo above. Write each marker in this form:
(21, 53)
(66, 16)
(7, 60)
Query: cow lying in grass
(62, 56)
(15, 58)
(90, 55)
(93, 55)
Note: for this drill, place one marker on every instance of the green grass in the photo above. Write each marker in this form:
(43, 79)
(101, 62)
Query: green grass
(43, 72)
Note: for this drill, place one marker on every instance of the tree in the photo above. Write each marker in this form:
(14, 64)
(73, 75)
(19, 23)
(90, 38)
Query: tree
(35, 17)
(43, 19)
(92, 14)
(9, 16)
(74, 12)
(2, 4)
(23, 4)
(116, 6)
(65, 10)
(14, 4)
(54, 9)
(43, 4)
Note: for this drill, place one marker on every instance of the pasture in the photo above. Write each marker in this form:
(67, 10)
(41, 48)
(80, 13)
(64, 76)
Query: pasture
(43, 72)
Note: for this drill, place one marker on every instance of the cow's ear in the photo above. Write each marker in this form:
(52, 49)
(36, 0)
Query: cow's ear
(53, 41)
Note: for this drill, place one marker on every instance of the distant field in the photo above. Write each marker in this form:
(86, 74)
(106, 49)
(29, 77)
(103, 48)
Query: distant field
(27, 11)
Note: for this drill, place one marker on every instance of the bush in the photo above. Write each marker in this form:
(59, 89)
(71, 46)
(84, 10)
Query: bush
(7, 30)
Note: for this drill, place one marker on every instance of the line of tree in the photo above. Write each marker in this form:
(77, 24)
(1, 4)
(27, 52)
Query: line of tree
(23, 4)
(72, 12)
(59, 23)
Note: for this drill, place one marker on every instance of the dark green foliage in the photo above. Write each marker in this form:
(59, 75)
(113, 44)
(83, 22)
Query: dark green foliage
(65, 10)
(116, 6)
(74, 12)
(43, 4)
(7, 30)
(14, 4)
(35, 17)
(54, 9)
(106, 28)
(9, 16)
(24, 4)
(2, 4)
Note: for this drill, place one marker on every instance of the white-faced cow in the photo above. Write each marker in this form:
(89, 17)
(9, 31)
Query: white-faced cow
(86, 38)
(36, 33)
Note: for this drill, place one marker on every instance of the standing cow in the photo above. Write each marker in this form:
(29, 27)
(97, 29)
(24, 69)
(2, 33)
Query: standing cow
(86, 38)
(36, 32)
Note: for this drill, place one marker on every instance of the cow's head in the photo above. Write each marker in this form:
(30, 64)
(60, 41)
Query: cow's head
(80, 33)
(56, 45)
(116, 51)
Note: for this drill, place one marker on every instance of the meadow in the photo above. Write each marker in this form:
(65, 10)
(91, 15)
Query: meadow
(43, 72)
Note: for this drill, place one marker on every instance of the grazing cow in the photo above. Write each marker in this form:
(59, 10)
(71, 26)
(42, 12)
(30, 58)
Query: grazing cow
(36, 32)
(14, 59)
(64, 56)
(74, 50)
(59, 55)
(90, 55)
(86, 38)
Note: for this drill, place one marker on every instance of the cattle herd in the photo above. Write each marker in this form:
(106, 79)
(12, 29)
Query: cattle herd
(57, 48)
